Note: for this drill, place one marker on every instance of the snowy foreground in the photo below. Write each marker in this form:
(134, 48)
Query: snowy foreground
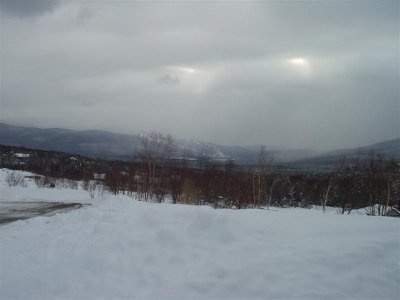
(120, 248)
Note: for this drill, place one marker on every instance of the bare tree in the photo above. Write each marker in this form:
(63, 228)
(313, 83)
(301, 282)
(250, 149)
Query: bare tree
(332, 178)
(274, 181)
(392, 170)
(156, 150)
(264, 160)
(375, 183)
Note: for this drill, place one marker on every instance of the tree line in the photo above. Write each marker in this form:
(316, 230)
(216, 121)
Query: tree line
(158, 173)
(372, 182)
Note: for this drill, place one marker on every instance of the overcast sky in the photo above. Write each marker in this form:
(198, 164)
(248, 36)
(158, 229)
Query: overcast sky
(318, 75)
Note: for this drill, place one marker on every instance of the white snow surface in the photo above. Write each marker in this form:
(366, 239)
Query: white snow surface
(120, 248)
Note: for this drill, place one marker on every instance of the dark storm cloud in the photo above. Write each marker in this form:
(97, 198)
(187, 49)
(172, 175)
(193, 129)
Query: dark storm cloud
(27, 8)
(297, 74)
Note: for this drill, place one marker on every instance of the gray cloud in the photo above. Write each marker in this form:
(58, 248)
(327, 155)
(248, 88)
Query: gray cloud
(297, 74)
(168, 79)
(27, 8)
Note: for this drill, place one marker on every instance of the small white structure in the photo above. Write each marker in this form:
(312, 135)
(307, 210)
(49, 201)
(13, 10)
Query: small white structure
(99, 176)
(22, 155)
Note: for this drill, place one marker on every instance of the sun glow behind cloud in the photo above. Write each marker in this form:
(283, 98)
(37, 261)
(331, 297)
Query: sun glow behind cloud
(187, 70)
(298, 61)
(299, 65)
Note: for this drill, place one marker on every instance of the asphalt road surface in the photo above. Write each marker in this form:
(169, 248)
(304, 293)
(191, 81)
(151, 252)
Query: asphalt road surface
(14, 211)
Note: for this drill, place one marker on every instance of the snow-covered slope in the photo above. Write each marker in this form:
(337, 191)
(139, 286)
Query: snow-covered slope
(120, 248)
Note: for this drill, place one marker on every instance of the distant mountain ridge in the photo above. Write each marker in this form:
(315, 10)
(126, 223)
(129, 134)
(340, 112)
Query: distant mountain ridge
(94, 143)
(104, 144)
(387, 150)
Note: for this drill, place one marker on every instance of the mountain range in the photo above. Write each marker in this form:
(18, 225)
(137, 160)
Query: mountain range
(104, 144)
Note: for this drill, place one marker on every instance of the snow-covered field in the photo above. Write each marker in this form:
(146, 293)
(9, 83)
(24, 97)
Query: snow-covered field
(120, 248)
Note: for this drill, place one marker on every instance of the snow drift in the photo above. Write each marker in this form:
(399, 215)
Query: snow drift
(120, 248)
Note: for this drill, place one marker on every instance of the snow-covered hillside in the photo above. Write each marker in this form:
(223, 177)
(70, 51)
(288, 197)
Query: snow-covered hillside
(120, 248)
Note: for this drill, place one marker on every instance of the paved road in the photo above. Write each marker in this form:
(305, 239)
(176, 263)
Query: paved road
(14, 211)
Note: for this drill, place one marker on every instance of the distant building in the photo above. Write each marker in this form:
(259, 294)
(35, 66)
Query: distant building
(98, 176)
(393, 212)
(22, 155)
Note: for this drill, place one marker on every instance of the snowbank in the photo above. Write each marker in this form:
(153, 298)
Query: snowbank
(120, 248)
(31, 192)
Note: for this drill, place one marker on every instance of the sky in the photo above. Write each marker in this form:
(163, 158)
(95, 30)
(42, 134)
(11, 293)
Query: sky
(320, 75)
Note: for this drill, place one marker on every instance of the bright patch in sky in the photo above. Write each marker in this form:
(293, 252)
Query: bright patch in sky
(186, 70)
(299, 65)
(298, 61)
